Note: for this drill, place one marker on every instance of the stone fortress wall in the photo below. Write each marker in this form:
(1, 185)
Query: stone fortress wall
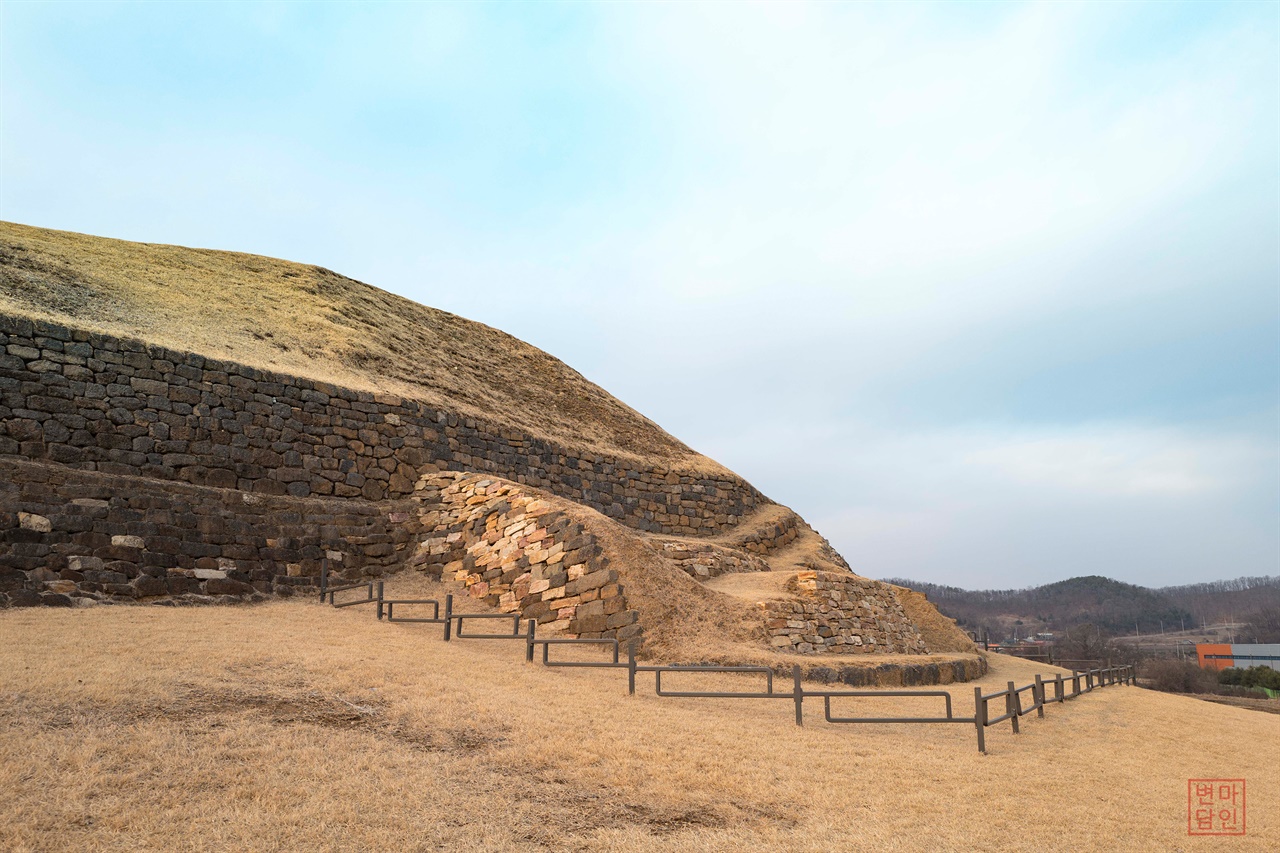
(68, 535)
(113, 453)
(831, 613)
(129, 471)
(120, 406)
(518, 553)
(706, 560)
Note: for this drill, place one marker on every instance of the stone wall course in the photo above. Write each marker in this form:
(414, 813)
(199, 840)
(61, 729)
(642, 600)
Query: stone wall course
(120, 406)
(96, 537)
(513, 550)
(835, 613)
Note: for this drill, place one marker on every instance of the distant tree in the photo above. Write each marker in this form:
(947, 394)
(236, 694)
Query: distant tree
(1086, 642)
(1115, 607)
(1175, 676)
(1254, 676)
(1264, 625)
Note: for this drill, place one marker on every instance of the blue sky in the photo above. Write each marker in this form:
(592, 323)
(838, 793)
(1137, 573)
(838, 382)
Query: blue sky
(988, 292)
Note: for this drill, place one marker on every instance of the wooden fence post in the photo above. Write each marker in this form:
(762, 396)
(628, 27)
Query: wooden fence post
(980, 719)
(1012, 706)
(631, 668)
(798, 693)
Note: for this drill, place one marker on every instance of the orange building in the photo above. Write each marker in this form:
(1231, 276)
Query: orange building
(1224, 656)
(1214, 655)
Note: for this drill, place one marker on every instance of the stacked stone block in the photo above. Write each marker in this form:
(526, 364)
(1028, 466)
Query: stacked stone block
(770, 538)
(834, 613)
(515, 551)
(766, 539)
(703, 560)
(120, 406)
(69, 536)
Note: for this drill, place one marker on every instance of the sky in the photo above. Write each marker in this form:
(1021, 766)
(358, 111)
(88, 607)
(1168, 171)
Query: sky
(988, 292)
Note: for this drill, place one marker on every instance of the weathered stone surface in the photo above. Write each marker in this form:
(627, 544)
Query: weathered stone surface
(834, 613)
(508, 546)
(31, 521)
(705, 560)
(149, 586)
(226, 586)
(25, 598)
(156, 528)
(82, 563)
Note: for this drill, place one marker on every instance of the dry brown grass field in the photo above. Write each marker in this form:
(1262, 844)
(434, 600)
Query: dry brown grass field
(294, 726)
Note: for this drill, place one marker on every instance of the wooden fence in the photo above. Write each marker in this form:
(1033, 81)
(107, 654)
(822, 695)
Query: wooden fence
(1064, 687)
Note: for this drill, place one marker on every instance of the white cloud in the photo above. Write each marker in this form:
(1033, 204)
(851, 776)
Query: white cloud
(1000, 504)
(907, 175)
(836, 223)
(1111, 461)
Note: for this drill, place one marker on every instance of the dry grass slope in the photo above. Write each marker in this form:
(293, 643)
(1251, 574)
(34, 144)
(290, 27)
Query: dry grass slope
(307, 321)
(940, 632)
(290, 726)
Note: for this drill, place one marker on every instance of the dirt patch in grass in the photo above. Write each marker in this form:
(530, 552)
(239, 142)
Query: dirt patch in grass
(1267, 706)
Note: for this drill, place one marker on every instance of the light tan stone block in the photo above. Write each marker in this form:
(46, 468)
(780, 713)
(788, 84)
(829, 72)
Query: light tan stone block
(566, 602)
(31, 521)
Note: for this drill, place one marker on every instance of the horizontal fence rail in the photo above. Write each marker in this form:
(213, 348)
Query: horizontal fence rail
(566, 641)
(949, 718)
(368, 587)
(1065, 687)
(515, 634)
(711, 694)
(332, 591)
(392, 617)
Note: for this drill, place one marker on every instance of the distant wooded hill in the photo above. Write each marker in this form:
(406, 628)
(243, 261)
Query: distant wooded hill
(1116, 607)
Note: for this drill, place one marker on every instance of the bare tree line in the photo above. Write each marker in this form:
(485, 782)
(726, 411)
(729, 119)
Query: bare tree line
(1115, 607)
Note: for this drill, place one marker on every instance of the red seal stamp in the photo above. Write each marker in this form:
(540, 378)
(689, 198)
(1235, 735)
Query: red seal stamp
(1215, 807)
